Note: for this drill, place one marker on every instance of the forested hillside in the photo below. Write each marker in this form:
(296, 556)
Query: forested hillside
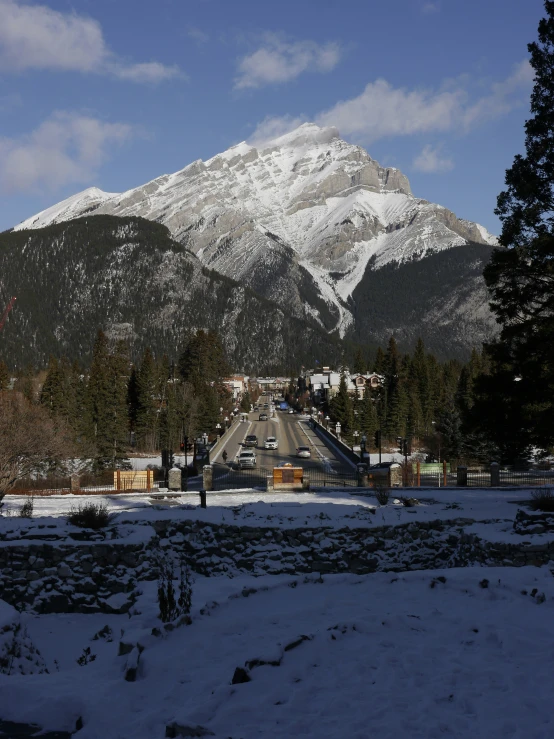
(128, 277)
(441, 299)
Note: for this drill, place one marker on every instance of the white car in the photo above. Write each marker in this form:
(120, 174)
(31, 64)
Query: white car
(291, 410)
(304, 451)
(271, 443)
(246, 460)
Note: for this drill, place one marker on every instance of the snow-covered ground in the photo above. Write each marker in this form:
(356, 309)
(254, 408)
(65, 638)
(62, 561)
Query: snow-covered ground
(335, 508)
(383, 655)
(449, 653)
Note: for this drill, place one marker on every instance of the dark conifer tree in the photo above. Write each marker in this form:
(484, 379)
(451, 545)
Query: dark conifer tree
(148, 403)
(53, 394)
(521, 277)
(341, 407)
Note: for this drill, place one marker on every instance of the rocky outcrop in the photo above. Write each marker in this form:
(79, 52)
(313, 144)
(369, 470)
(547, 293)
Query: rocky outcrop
(103, 575)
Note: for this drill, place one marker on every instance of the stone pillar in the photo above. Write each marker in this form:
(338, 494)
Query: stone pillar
(418, 473)
(461, 477)
(495, 475)
(444, 473)
(174, 479)
(75, 483)
(207, 477)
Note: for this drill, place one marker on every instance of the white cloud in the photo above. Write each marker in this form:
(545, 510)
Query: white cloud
(146, 72)
(278, 61)
(271, 128)
(384, 111)
(503, 96)
(196, 34)
(428, 8)
(430, 160)
(37, 37)
(66, 148)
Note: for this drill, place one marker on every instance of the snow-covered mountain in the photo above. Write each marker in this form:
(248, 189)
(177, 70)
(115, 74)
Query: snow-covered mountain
(300, 219)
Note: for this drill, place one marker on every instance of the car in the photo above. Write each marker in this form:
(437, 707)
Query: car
(263, 417)
(291, 410)
(246, 460)
(250, 440)
(271, 443)
(304, 451)
(266, 405)
(284, 464)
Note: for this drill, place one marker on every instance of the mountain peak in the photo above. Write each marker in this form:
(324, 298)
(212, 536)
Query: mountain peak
(306, 134)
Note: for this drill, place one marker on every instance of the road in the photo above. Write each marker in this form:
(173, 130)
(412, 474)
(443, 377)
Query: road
(292, 431)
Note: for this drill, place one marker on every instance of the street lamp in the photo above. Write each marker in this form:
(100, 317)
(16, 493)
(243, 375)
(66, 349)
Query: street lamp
(438, 435)
(226, 419)
(327, 419)
(218, 427)
(338, 429)
(355, 434)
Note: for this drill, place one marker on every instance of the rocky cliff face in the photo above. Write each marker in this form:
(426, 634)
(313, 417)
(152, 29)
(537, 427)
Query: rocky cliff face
(299, 219)
(128, 277)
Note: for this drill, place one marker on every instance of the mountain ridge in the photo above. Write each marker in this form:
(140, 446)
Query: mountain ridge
(300, 219)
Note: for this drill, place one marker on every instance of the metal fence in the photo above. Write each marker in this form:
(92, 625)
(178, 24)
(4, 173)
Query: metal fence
(321, 478)
(85, 484)
(482, 478)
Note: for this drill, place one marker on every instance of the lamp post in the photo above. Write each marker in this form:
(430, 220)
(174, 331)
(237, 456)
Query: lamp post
(338, 430)
(226, 419)
(327, 419)
(218, 428)
(438, 435)
(363, 442)
(355, 434)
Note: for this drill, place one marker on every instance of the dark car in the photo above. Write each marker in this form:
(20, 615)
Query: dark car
(251, 440)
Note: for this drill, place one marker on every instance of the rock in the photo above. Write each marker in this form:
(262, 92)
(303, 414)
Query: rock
(174, 730)
(241, 676)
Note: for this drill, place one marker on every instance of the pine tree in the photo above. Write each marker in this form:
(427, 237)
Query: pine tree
(521, 277)
(107, 401)
(148, 403)
(341, 407)
(53, 394)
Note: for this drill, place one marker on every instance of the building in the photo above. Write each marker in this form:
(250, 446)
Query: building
(324, 385)
(237, 386)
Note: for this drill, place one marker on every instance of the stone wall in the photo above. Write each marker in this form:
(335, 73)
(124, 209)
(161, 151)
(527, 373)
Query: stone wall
(100, 572)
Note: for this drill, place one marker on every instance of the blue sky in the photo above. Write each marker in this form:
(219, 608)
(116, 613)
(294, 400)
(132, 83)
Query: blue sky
(113, 93)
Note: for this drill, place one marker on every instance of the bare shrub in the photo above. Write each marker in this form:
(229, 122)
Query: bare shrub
(171, 605)
(542, 500)
(31, 442)
(382, 491)
(90, 516)
(26, 510)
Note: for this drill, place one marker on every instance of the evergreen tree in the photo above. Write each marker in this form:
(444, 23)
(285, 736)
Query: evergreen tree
(359, 365)
(148, 403)
(246, 402)
(53, 393)
(521, 277)
(107, 401)
(203, 360)
(341, 407)
(380, 364)
(367, 416)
